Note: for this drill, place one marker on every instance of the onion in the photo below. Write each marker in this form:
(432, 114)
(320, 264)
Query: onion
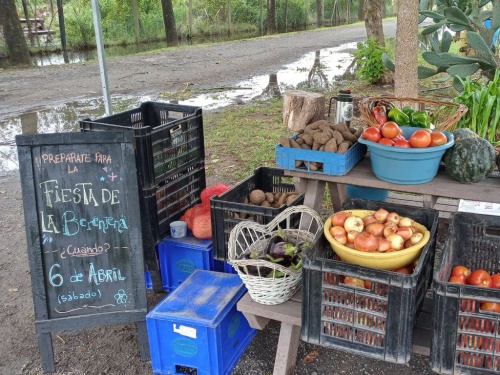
(337, 229)
(416, 238)
(381, 215)
(405, 222)
(377, 229)
(383, 244)
(369, 219)
(397, 242)
(405, 232)
(354, 222)
(341, 238)
(365, 241)
(338, 218)
(351, 235)
(393, 217)
(390, 228)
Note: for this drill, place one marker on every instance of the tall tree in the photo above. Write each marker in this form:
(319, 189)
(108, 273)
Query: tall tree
(406, 73)
(319, 13)
(15, 41)
(271, 16)
(169, 21)
(361, 12)
(373, 19)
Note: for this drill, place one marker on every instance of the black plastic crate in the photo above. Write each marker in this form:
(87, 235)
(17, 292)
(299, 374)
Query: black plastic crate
(466, 339)
(168, 137)
(376, 320)
(226, 208)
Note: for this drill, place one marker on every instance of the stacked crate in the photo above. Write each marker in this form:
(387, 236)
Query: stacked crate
(376, 320)
(170, 162)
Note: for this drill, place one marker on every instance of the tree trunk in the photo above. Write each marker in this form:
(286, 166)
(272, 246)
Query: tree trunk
(271, 16)
(373, 19)
(319, 12)
(137, 24)
(301, 108)
(15, 42)
(405, 75)
(169, 21)
(361, 12)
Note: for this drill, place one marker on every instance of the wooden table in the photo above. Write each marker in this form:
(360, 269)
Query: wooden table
(443, 185)
(313, 185)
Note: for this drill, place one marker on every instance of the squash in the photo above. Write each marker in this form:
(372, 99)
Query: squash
(461, 133)
(470, 159)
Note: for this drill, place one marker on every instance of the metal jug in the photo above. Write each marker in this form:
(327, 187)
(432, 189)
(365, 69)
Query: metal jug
(344, 108)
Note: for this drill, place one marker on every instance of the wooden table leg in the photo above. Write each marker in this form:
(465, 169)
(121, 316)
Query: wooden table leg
(338, 195)
(288, 345)
(314, 193)
(429, 200)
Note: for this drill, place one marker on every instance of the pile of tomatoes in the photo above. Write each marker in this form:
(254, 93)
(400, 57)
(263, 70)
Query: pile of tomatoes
(479, 277)
(391, 134)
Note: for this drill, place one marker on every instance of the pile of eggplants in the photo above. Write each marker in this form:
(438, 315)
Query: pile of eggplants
(281, 250)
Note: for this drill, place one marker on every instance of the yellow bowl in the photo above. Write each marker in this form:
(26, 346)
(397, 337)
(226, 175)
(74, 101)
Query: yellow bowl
(384, 261)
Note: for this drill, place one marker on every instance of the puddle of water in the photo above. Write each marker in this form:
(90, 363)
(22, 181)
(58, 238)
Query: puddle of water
(314, 70)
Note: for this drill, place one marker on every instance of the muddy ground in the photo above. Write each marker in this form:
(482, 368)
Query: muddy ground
(114, 349)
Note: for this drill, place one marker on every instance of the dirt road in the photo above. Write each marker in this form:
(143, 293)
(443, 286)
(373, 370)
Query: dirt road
(203, 66)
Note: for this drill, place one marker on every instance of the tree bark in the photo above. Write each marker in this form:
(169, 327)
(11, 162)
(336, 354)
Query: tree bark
(319, 13)
(373, 19)
(361, 12)
(301, 108)
(15, 41)
(405, 75)
(271, 16)
(137, 23)
(169, 21)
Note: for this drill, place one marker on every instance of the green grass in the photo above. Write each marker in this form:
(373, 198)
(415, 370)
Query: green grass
(239, 139)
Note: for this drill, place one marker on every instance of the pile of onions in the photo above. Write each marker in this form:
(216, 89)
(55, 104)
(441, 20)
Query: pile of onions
(381, 231)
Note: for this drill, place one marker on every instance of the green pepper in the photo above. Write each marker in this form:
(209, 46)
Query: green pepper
(409, 110)
(420, 119)
(399, 117)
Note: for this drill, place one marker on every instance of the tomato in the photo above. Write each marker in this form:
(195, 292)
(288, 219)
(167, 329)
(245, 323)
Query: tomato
(386, 141)
(372, 134)
(495, 280)
(490, 306)
(390, 129)
(438, 138)
(470, 359)
(420, 139)
(461, 271)
(468, 305)
(479, 278)
(402, 143)
(456, 280)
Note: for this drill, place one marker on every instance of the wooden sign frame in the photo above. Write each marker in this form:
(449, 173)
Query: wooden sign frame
(77, 282)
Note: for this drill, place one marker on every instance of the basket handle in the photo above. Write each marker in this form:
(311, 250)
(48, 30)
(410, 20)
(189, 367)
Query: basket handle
(309, 219)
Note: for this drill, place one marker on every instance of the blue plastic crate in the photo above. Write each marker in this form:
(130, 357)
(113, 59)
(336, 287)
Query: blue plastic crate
(179, 257)
(333, 164)
(197, 328)
(149, 281)
(222, 266)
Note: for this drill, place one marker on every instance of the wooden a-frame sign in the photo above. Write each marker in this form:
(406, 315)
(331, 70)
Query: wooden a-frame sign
(83, 232)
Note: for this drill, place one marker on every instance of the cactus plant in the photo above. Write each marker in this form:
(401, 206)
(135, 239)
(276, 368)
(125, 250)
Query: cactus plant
(460, 15)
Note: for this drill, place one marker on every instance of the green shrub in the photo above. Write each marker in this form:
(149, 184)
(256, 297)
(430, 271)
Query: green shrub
(370, 67)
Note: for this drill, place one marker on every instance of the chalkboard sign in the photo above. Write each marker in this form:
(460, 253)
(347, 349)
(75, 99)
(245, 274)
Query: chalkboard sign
(83, 229)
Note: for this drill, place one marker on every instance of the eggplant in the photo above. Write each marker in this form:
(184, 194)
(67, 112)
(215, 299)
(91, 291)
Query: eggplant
(284, 250)
(279, 236)
(250, 269)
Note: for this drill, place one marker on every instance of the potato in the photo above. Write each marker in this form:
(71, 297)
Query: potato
(291, 197)
(294, 144)
(343, 147)
(269, 197)
(331, 145)
(257, 196)
(348, 136)
(308, 139)
(321, 138)
(338, 137)
(284, 141)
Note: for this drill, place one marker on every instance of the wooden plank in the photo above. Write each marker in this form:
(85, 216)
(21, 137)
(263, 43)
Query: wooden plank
(443, 185)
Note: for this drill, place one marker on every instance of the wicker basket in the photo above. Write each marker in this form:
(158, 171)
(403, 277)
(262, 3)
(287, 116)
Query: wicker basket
(444, 115)
(300, 223)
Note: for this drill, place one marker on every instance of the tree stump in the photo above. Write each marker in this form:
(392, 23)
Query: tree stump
(301, 108)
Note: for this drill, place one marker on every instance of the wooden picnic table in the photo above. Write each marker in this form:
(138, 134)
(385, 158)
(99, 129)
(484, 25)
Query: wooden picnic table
(442, 193)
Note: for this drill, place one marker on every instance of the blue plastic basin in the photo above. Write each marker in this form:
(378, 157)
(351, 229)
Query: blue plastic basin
(406, 166)
(369, 193)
